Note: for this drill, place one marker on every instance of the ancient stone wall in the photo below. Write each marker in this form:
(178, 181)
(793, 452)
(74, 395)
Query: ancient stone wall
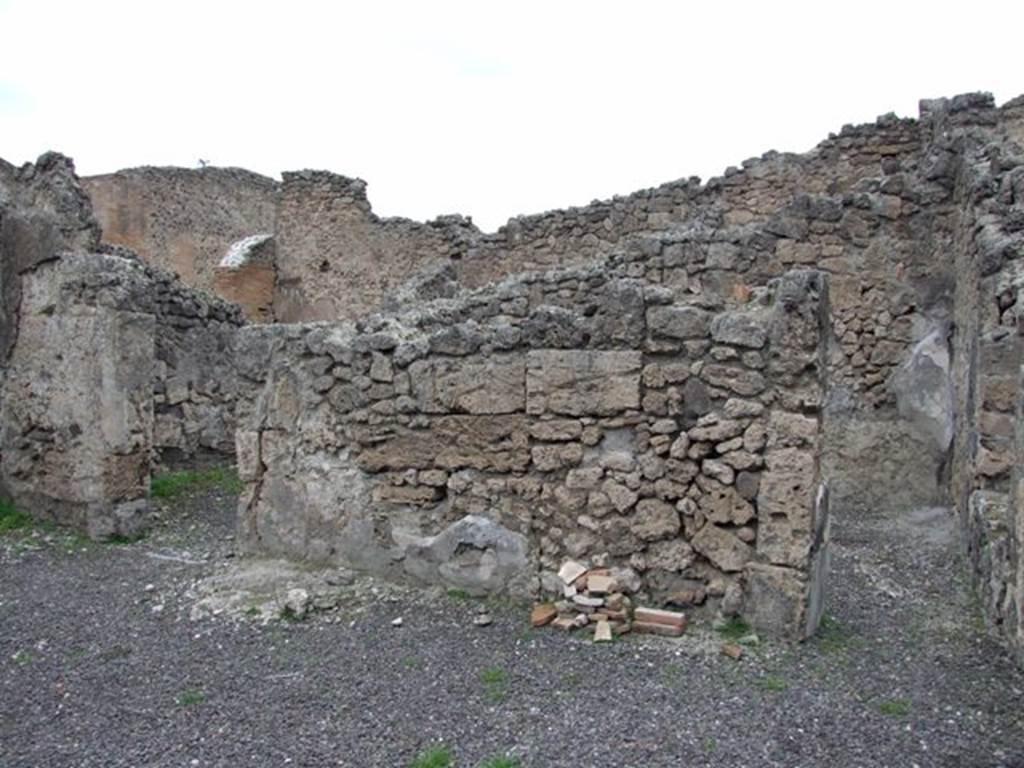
(76, 413)
(987, 458)
(585, 413)
(337, 260)
(194, 376)
(181, 219)
(107, 361)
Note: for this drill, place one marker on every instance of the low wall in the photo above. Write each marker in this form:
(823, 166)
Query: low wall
(582, 414)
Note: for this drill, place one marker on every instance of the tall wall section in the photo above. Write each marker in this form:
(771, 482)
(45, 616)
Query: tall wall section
(106, 361)
(180, 219)
(988, 454)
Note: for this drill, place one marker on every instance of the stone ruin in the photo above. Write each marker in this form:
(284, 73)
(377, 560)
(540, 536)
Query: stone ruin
(676, 387)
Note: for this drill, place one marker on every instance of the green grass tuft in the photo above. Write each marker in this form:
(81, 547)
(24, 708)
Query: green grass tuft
(459, 594)
(494, 679)
(171, 485)
(11, 518)
(734, 629)
(894, 707)
(773, 684)
(500, 761)
(435, 757)
(191, 698)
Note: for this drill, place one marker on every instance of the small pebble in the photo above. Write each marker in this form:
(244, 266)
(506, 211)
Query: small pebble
(483, 619)
(396, 622)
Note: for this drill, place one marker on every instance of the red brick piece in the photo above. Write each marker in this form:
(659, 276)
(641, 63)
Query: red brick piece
(658, 616)
(733, 651)
(543, 613)
(653, 628)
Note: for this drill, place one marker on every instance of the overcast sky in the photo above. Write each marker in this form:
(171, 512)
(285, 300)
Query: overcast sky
(483, 108)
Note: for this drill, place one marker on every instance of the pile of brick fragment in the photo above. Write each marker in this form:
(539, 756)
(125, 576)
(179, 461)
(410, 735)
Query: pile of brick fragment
(592, 598)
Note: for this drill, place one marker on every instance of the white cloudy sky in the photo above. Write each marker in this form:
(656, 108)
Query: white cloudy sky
(485, 108)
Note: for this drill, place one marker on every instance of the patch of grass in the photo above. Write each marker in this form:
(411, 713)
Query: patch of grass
(894, 707)
(733, 629)
(253, 610)
(500, 761)
(709, 744)
(171, 485)
(22, 657)
(191, 698)
(434, 757)
(459, 594)
(289, 616)
(572, 679)
(410, 662)
(834, 637)
(773, 684)
(494, 680)
(671, 673)
(11, 518)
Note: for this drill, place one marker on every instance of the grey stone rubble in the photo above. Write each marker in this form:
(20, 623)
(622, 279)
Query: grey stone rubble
(676, 386)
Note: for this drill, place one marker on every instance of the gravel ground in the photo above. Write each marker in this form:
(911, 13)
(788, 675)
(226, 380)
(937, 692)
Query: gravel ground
(103, 665)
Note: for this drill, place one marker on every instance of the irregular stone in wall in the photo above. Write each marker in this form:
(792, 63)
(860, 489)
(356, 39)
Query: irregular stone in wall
(479, 385)
(739, 380)
(654, 519)
(741, 329)
(582, 382)
(785, 502)
(722, 548)
(496, 443)
(475, 554)
(676, 322)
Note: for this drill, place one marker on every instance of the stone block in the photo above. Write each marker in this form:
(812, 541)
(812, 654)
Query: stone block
(678, 322)
(785, 502)
(496, 443)
(776, 601)
(476, 384)
(582, 382)
(725, 551)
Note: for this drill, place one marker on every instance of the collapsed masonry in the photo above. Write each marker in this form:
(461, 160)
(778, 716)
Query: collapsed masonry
(663, 384)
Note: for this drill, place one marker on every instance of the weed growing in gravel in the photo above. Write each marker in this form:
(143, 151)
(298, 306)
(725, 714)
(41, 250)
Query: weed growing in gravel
(894, 707)
(773, 684)
(459, 594)
(435, 757)
(500, 761)
(11, 518)
(191, 698)
(572, 679)
(22, 657)
(709, 744)
(289, 616)
(170, 485)
(410, 662)
(834, 637)
(671, 674)
(733, 629)
(494, 679)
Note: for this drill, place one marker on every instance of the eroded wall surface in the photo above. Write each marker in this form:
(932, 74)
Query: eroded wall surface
(76, 419)
(182, 219)
(588, 413)
(987, 477)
